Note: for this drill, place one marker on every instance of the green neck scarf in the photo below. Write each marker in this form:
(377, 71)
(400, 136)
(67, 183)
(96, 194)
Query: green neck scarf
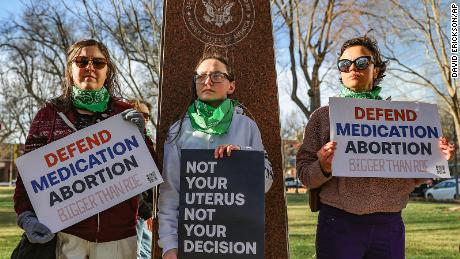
(373, 94)
(208, 119)
(149, 133)
(90, 100)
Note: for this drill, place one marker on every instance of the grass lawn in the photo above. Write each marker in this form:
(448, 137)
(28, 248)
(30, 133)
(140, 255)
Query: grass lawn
(432, 229)
(10, 233)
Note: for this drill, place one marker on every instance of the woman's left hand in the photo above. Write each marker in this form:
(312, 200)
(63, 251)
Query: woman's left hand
(219, 151)
(447, 149)
(135, 117)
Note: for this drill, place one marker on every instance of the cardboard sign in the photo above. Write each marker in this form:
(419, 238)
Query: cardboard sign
(386, 139)
(87, 172)
(221, 210)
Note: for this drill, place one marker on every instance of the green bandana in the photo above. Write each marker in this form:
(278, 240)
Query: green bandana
(208, 119)
(149, 132)
(373, 94)
(90, 100)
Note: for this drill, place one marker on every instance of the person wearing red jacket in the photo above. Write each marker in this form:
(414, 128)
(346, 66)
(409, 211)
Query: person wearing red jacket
(88, 96)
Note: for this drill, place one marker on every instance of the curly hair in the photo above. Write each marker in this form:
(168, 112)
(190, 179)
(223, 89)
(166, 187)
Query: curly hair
(370, 44)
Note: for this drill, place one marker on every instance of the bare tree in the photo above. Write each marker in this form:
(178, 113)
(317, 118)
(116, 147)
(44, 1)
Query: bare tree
(315, 28)
(292, 126)
(415, 40)
(133, 31)
(292, 129)
(33, 47)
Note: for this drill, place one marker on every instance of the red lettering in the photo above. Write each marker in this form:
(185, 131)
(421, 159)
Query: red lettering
(104, 136)
(359, 113)
(71, 149)
(389, 115)
(411, 115)
(51, 159)
(370, 114)
(92, 141)
(81, 146)
(378, 113)
(61, 154)
(400, 115)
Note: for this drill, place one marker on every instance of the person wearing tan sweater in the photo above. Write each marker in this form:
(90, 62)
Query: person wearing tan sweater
(359, 217)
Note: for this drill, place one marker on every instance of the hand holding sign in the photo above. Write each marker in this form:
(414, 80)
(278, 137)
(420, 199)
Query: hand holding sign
(219, 152)
(87, 172)
(325, 156)
(447, 148)
(36, 232)
(170, 254)
(135, 117)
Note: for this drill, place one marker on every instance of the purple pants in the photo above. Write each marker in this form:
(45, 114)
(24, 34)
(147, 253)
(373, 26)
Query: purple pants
(343, 235)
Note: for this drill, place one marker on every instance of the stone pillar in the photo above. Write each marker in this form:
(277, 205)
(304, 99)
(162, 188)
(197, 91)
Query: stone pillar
(242, 29)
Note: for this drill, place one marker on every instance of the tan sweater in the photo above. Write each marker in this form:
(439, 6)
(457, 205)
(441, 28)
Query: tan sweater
(358, 195)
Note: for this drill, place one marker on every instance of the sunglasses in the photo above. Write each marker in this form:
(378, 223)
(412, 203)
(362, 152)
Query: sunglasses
(216, 77)
(82, 62)
(361, 63)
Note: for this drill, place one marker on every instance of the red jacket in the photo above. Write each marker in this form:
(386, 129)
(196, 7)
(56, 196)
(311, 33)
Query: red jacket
(112, 224)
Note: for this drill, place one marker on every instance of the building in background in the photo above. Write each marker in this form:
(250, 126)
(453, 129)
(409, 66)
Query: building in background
(290, 148)
(8, 154)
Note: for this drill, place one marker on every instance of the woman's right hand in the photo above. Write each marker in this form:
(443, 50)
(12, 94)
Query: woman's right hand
(170, 254)
(325, 155)
(36, 232)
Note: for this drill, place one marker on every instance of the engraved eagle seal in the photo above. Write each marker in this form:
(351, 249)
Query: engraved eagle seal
(219, 22)
(218, 13)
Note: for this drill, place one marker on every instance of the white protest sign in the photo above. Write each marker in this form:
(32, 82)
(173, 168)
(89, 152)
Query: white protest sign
(87, 172)
(386, 139)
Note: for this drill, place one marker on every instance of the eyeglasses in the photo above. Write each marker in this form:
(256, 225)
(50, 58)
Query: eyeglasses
(82, 62)
(361, 63)
(216, 77)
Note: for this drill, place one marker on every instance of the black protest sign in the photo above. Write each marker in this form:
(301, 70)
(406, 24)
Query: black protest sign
(221, 208)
